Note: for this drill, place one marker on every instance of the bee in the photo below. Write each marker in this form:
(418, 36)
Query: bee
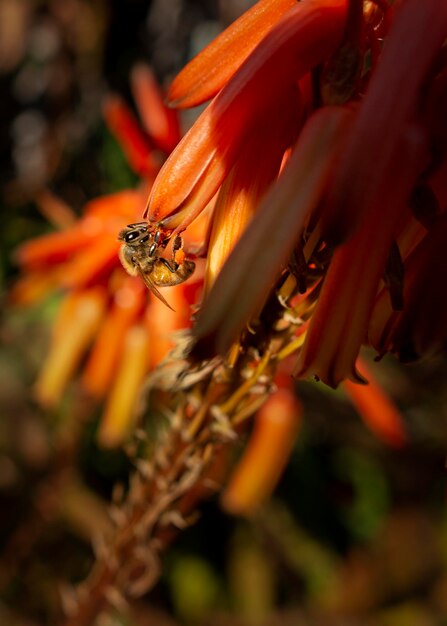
(140, 254)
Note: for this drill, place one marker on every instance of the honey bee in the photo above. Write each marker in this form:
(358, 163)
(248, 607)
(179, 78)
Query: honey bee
(140, 255)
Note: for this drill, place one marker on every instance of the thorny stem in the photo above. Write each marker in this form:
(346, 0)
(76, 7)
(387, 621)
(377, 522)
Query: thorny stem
(208, 402)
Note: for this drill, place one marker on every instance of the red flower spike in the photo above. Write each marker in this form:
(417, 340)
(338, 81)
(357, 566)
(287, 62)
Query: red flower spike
(216, 171)
(268, 241)
(376, 409)
(304, 37)
(211, 69)
(123, 125)
(392, 98)
(161, 123)
(339, 323)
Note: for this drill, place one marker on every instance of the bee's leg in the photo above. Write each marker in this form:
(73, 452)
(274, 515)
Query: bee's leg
(171, 265)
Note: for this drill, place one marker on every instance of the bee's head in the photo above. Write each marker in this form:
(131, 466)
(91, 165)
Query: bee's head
(135, 233)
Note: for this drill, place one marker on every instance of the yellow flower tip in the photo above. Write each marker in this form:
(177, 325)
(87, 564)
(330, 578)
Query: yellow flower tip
(265, 456)
(73, 331)
(119, 416)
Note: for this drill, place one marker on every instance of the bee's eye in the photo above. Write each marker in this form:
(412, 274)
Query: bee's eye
(134, 234)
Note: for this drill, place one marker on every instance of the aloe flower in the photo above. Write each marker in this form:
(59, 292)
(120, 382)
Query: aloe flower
(317, 138)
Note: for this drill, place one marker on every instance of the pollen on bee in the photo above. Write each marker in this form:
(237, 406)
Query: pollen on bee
(179, 256)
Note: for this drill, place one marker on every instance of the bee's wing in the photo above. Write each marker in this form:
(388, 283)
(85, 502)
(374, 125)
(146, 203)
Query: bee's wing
(150, 285)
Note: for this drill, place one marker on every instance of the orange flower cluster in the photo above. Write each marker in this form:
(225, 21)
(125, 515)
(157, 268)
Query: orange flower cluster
(106, 319)
(325, 143)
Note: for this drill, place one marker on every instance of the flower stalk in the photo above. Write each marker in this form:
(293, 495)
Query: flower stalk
(205, 406)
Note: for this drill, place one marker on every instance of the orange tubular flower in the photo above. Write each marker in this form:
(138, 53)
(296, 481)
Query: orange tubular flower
(267, 452)
(126, 308)
(376, 409)
(106, 318)
(161, 123)
(207, 73)
(124, 126)
(247, 183)
(74, 330)
(302, 39)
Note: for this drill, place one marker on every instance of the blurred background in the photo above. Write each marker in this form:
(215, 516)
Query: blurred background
(357, 530)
